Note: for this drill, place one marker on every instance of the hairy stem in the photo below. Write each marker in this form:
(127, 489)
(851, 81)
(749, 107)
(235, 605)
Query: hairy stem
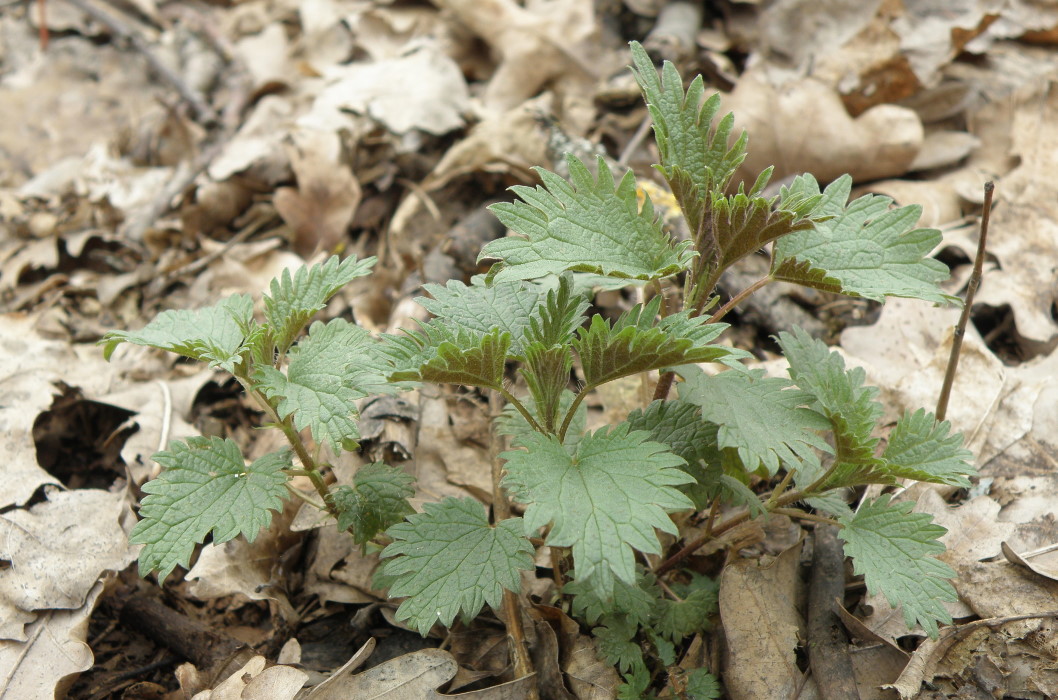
(798, 514)
(512, 400)
(311, 468)
(572, 412)
(771, 506)
(501, 510)
(738, 298)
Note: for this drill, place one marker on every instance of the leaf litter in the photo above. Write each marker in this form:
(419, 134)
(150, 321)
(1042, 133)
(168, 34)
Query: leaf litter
(374, 127)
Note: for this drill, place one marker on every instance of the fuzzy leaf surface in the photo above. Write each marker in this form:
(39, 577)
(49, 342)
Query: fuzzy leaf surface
(482, 308)
(920, 448)
(679, 425)
(205, 487)
(214, 334)
(377, 499)
(445, 354)
(602, 500)
(329, 370)
(636, 602)
(449, 560)
(638, 342)
(865, 249)
(850, 407)
(292, 301)
(894, 550)
(763, 418)
(586, 225)
(687, 139)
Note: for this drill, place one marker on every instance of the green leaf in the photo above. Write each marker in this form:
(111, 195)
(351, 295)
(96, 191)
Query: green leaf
(617, 645)
(546, 373)
(205, 487)
(330, 369)
(293, 301)
(636, 602)
(702, 685)
(446, 354)
(920, 448)
(635, 686)
(378, 499)
(741, 224)
(214, 334)
(683, 128)
(591, 225)
(679, 425)
(763, 418)
(638, 342)
(893, 549)
(675, 620)
(602, 500)
(556, 320)
(866, 249)
(483, 308)
(449, 560)
(850, 407)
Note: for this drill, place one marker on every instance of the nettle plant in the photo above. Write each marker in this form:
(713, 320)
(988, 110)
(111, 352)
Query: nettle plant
(596, 499)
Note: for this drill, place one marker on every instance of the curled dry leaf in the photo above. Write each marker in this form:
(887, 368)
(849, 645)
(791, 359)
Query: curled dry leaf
(803, 126)
(320, 208)
(43, 667)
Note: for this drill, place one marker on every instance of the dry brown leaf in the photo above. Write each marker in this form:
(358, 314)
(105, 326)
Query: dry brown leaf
(540, 42)
(320, 208)
(58, 550)
(253, 569)
(974, 530)
(42, 667)
(258, 681)
(408, 677)
(1023, 234)
(803, 126)
(421, 90)
(758, 607)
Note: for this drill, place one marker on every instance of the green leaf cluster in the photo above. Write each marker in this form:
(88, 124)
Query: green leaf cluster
(598, 499)
(307, 382)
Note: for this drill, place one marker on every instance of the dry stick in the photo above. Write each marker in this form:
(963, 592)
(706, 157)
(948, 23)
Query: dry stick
(501, 510)
(971, 290)
(828, 647)
(197, 102)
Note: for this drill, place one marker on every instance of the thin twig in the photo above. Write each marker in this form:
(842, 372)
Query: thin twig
(964, 317)
(197, 102)
(633, 143)
(738, 298)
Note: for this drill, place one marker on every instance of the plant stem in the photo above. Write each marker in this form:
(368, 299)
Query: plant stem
(738, 298)
(964, 317)
(311, 469)
(501, 510)
(778, 491)
(798, 514)
(776, 503)
(521, 409)
(571, 412)
(501, 507)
